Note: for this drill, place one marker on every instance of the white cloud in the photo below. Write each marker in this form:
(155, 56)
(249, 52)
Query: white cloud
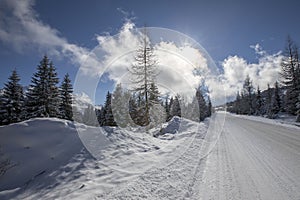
(265, 71)
(21, 28)
(177, 63)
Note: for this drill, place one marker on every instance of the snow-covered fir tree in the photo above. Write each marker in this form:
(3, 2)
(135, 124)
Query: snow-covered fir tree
(43, 94)
(12, 100)
(167, 108)
(298, 109)
(176, 109)
(247, 93)
(276, 104)
(133, 109)
(237, 105)
(89, 116)
(109, 118)
(66, 91)
(201, 104)
(290, 75)
(53, 92)
(259, 103)
(157, 111)
(269, 102)
(209, 107)
(120, 106)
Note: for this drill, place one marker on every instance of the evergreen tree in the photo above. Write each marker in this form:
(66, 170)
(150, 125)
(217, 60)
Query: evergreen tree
(2, 109)
(66, 91)
(109, 118)
(43, 94)
(89, 116)
(12, 100)
(237, 104)
(269, 102)
(176, 109)
(247, 92)
(209, 107)
(298, 109)
(258, 103)
(53, 100)
(133, 109)
(167, 109)
(202, 105)
(290, 74)
(101, 116)
(120, 102)
(170, 105)
(276, 104)
(153, 94)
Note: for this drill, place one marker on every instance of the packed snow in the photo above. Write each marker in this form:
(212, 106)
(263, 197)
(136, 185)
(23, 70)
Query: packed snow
(226, 157)
(54, 158)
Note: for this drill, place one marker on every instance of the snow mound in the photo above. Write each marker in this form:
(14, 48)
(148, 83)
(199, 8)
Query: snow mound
(172, 126)
(57, 159)
(36, 146)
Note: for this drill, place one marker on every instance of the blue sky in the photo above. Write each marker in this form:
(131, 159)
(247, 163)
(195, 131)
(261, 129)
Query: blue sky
(226, 29)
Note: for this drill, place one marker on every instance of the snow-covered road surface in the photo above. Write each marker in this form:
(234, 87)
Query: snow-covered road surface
(253, 160)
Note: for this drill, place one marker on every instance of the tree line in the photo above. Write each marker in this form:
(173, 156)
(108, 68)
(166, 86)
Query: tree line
(283, 97)
(42, 99)
(141, 105)
(125, 108)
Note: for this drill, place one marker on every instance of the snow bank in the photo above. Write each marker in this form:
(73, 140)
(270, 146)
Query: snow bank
(51, 163)
(282, 120)
(36, 146)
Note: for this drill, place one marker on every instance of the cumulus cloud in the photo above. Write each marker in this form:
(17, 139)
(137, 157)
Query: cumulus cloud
(264, 71)
(21, 28)
(182, 65)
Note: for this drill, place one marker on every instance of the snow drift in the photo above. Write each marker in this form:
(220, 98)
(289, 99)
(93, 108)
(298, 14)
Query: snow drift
(55, 158)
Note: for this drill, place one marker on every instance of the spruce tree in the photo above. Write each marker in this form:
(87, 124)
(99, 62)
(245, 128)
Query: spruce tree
(176, 109)
(12, 100)
(202, 104)
(43, 94)
(109, 118)
(247, 96)
(170, 105)
(167, 108)
(66, 91)
(209, 107)
(290, 74)
(53, 92)
(298, 109)
(258, 103)
(120, 104)
(276, 104)
(269, 102)
(237, 104)
(89, 116)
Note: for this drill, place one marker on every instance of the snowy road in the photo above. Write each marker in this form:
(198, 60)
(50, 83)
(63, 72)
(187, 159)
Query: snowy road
(251, 160)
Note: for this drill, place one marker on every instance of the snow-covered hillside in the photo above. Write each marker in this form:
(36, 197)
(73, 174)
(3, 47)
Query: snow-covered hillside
(53, 158)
